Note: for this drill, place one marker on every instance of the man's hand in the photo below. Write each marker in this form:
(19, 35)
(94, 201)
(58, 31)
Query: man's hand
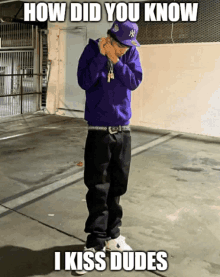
(110, 51)
(102, 42)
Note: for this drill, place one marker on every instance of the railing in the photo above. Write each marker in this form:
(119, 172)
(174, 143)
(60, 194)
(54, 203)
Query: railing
(19, 93)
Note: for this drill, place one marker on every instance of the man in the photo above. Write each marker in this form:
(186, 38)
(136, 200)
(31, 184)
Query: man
(109, 69)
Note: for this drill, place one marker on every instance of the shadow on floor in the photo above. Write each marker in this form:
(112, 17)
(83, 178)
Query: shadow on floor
(23, 262)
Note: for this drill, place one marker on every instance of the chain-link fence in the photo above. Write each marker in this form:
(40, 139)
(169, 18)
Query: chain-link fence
(205, 29)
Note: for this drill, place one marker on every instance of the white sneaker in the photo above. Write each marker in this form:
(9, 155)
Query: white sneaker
(118, 244)
(82, 272)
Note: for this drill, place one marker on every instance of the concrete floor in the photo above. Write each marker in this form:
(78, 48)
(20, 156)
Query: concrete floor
(172, 204)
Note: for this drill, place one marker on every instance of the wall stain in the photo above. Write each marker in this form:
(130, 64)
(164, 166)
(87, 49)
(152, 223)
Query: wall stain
(191, 169)
(214, 268)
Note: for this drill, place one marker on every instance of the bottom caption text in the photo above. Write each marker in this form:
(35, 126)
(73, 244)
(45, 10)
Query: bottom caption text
(128, 261)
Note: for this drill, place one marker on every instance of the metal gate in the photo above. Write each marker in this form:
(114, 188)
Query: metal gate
(19, 70)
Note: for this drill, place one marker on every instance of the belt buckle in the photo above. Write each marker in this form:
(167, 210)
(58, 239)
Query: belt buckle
(114, 129)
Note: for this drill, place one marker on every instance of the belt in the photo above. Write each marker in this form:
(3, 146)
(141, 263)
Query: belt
(111, 129)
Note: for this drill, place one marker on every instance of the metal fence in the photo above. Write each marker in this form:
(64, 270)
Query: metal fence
(17, 77)
(22, 49)
(19, 93)
(17, 62)
(16, 35)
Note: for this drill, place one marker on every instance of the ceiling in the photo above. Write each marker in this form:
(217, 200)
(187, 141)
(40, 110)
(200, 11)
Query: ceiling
(10, 8)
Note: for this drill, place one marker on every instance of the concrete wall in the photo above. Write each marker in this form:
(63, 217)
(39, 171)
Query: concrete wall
(181, 88)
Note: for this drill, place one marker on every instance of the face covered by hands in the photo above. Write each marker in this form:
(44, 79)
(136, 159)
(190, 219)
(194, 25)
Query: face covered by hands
(112, 49)
(120, 49)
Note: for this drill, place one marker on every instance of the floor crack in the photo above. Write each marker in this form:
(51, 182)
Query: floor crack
(45, 224)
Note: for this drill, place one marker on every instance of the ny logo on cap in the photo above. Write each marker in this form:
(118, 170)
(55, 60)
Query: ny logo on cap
(132, 33)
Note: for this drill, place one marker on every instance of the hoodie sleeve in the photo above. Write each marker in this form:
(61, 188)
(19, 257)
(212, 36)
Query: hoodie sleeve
(89, 66)
(130, 74)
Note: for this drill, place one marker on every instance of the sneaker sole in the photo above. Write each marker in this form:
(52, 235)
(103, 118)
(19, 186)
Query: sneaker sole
(81, 272)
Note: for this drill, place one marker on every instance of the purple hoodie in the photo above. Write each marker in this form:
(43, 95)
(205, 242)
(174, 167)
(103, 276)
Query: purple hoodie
(108, 104)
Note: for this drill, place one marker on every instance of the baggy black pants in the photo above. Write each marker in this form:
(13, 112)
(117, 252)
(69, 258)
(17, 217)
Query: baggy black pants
(107, 164)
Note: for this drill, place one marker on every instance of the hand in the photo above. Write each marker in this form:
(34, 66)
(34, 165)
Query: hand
(110, 51)
(102, 42)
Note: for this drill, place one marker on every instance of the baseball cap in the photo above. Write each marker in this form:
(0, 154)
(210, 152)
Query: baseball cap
(126, 32)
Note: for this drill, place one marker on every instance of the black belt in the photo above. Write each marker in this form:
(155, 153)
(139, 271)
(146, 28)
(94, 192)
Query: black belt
(111, 129)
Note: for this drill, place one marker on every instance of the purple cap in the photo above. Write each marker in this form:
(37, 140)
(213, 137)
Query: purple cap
(126, 32)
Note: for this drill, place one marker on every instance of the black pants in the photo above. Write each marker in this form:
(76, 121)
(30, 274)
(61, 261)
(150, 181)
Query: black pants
(107, 165)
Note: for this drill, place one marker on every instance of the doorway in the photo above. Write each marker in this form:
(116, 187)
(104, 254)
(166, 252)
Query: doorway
(72, 97)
